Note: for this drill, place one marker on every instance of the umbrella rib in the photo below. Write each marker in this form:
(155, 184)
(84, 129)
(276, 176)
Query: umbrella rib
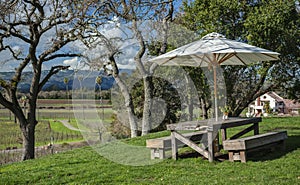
(271, 56)
(169, 59)
(202, 59)
(240, 60)
(226, 57)
(217, 58)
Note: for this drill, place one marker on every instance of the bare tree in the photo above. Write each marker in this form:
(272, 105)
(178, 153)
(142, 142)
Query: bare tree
(136, 13)
(108, 62)
(41, 30)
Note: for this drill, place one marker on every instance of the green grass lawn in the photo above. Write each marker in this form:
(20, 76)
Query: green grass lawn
(85, 166)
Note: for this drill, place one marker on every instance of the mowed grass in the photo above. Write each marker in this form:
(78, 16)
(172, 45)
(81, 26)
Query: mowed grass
(86, 166)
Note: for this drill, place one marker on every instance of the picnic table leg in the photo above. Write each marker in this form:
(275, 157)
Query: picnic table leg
(216, 143)
(174, 145)
(223, 134)
(256, 129)
(210, 141)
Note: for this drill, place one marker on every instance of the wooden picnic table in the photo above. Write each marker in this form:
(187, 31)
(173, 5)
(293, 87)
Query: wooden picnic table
(212, 127)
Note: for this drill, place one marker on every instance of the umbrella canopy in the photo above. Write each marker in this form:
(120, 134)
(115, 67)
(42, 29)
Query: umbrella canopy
(214, 49)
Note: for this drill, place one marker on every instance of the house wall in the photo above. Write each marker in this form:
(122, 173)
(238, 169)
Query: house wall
(266, 98)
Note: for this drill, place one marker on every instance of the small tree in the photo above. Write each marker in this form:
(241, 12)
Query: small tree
(267, 107)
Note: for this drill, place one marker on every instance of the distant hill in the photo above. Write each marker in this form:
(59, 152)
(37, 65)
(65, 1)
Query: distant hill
(56, 82)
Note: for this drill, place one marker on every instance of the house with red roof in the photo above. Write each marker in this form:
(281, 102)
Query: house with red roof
(272, 102)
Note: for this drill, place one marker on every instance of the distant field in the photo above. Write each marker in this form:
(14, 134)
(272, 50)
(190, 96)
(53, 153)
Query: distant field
(65, 109)
(62, 102)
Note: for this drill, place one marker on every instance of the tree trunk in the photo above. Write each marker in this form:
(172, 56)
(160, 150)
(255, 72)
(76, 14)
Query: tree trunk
(28, 132)
(190, 106)
(127, 97)
(204, 109)
(191, 109)
(129, 106)
(148, 89)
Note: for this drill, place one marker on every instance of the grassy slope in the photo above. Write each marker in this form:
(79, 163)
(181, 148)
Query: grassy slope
(86, 166)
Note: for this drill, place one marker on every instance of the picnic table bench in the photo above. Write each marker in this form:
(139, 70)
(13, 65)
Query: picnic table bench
(238, 148)
(158, 146)
(236, 145)
(212, 128)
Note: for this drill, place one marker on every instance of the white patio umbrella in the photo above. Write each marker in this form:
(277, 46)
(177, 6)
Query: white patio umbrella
(213, 50)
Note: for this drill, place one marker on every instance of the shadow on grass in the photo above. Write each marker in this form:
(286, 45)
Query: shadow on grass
(292, 143)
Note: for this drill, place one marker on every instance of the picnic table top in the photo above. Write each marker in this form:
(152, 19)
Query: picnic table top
(221, 124)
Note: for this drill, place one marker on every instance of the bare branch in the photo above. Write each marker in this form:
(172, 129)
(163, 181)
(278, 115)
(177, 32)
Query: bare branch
(62, 55)
(53, 71)
(5, 102)
(17, 78)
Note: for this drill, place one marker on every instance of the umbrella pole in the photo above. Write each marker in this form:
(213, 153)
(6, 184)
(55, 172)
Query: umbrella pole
(210, 130)
(215, 93)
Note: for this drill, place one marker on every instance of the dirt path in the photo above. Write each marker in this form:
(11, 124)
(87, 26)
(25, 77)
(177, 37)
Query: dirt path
(66, 124)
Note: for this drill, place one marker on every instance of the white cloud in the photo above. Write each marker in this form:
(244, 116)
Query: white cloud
(73, 63)
(128, 65)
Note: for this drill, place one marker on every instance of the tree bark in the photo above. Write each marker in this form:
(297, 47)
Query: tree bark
(148, 89)
(126, 94)
(28, 131)
(204, 109)
(190, 106)
(129, 106)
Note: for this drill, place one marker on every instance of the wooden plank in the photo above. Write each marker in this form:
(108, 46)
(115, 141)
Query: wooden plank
(254, 141)
(161, 154)
(174, 145)
(230, 156)
(190, 125)
(243, 156)
(243, 132)
(152, 152)
(216, 142)
(197, 125)
(156, 143)
(165, 142)
(238, 122)
(256, 129)
(210, 146)
(224, 134)
(265, 139)
(191, 144)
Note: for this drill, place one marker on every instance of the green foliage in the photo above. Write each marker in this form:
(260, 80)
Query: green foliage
(225, 109)
(163, 90)
(222, 16)
(67, 167)
(267, 107)
(200, 81)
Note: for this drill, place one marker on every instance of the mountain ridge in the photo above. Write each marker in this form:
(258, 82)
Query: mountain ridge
(56, 82)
